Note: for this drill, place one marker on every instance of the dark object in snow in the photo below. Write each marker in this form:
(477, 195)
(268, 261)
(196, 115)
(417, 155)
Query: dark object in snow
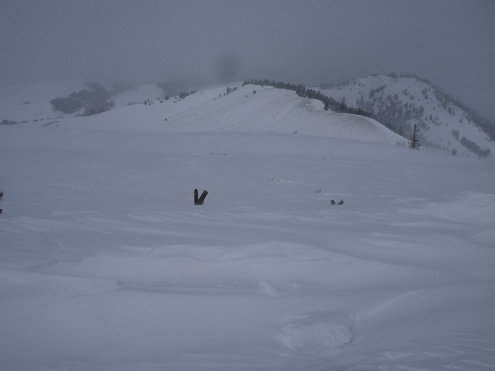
(332, 202)
(1, 195)
(201, 199)
(341, 202)
(414, 141)
(1, 211)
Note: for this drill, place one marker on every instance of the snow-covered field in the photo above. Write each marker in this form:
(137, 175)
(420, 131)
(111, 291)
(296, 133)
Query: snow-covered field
(106, 264)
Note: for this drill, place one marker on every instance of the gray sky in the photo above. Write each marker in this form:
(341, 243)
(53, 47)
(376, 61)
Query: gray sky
(450, 42)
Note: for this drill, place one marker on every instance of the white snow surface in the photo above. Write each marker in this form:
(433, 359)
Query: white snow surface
(106, 264)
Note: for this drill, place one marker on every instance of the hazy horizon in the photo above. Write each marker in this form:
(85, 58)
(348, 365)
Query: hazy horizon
(450, 43)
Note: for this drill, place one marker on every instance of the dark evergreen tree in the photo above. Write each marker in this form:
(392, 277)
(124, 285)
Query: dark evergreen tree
(414, 141)
(92, 100)
(327, 103)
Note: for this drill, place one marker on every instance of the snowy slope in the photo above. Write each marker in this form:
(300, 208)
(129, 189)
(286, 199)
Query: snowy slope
(31, 103)
(106, 264)
(267, 110)
(242, 110)
(404, 101)
(137, 95)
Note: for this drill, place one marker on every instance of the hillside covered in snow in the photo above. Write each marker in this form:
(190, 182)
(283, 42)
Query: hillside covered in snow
(404, 101)
(223, 108)
(107, 264)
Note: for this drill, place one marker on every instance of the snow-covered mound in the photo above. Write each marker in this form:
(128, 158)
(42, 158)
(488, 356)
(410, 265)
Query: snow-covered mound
(405, 101)
(476, 208)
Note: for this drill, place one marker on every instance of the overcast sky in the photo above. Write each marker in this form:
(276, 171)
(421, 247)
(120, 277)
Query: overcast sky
(451, 43)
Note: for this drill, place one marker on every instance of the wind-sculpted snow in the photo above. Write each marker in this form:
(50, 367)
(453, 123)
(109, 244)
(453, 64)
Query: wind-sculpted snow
(106, 263)
(475, 208)
(314, 333)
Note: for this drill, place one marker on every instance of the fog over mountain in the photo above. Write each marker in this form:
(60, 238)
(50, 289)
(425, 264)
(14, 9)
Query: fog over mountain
(451, 43)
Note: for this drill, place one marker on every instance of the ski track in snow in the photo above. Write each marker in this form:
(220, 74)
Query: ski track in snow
(106, 264)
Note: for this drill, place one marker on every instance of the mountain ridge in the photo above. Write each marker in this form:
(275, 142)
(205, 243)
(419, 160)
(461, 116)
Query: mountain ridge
(397, 102)
(402, 101)
(230, 107)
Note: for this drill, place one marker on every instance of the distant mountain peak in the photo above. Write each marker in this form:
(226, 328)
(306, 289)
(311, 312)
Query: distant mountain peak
(402, 101)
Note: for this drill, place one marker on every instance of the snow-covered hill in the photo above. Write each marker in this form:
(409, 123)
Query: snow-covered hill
(106, 263)
(403, 101)
(222, 108)
(31, 103)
